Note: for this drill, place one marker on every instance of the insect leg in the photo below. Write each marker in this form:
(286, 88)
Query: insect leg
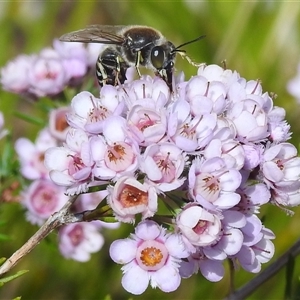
(137, 62)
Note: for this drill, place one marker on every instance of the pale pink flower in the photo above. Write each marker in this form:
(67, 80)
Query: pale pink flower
(116, 154)
(149, 255)
(200, 227)
(250, 120)
(206, 97)
(17, 82)
(252, 256)
(278, 127)
(41, 199)
(74, 58)
(253, 196)
(212, 270)
(77, 241)
(212, 184)
(163, 164)
(31, 155)
(281, 163)
(147, 87)
(230, 151)
(148, 120)
(47, 75)
(217, 73)
(89, 112)
(232, 238)
(72, 165)
(129, 197)
(187, 132)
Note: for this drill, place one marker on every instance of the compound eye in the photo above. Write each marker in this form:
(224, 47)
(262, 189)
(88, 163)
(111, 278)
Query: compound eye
(157, 57)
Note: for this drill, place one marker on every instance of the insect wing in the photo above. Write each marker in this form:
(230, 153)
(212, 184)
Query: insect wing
(104, 34)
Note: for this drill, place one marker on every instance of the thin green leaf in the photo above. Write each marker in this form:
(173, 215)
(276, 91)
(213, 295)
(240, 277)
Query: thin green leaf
(12, 277)
(30, 119)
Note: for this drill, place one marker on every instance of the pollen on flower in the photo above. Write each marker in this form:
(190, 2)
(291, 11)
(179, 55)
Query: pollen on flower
(164, 163)
(131, 196)
(119, 156)
(187, 131)
(61, 123)
(167, 168)
(98, 113)
(116, 152)
(212, 183)
(151, 256)
(41, 157)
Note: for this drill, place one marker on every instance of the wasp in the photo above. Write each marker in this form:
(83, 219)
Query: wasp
(128, 46)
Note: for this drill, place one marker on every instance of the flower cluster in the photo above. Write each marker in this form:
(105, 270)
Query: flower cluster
(49, 72)
(216, 146)
(213, 151)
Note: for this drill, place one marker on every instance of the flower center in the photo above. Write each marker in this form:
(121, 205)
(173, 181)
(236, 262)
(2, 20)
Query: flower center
(76, 164)
(152, 255)
(145, 122)
(44, 200)
(98, 112)
(119, 156)
(61, 123)
(200, 227)
(132, 196)
(208, 186)
(76, 235)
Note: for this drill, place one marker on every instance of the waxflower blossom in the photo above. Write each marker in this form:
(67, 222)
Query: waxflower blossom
(17, 82)
(163, 164)
(72, 165)
(149, 255)
(31, 155)
(190, 167)
(129, 197)
(77, 241)
(46, 73)
(251, 256)
(212, 182)
(199, 226)
(212, 270)
(88, 112)
(43, 198)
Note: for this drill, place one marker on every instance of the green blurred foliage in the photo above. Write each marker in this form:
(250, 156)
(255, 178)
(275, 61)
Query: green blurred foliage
(259, 39)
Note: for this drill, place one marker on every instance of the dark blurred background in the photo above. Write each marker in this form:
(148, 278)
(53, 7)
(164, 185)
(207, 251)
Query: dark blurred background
(261, 40)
